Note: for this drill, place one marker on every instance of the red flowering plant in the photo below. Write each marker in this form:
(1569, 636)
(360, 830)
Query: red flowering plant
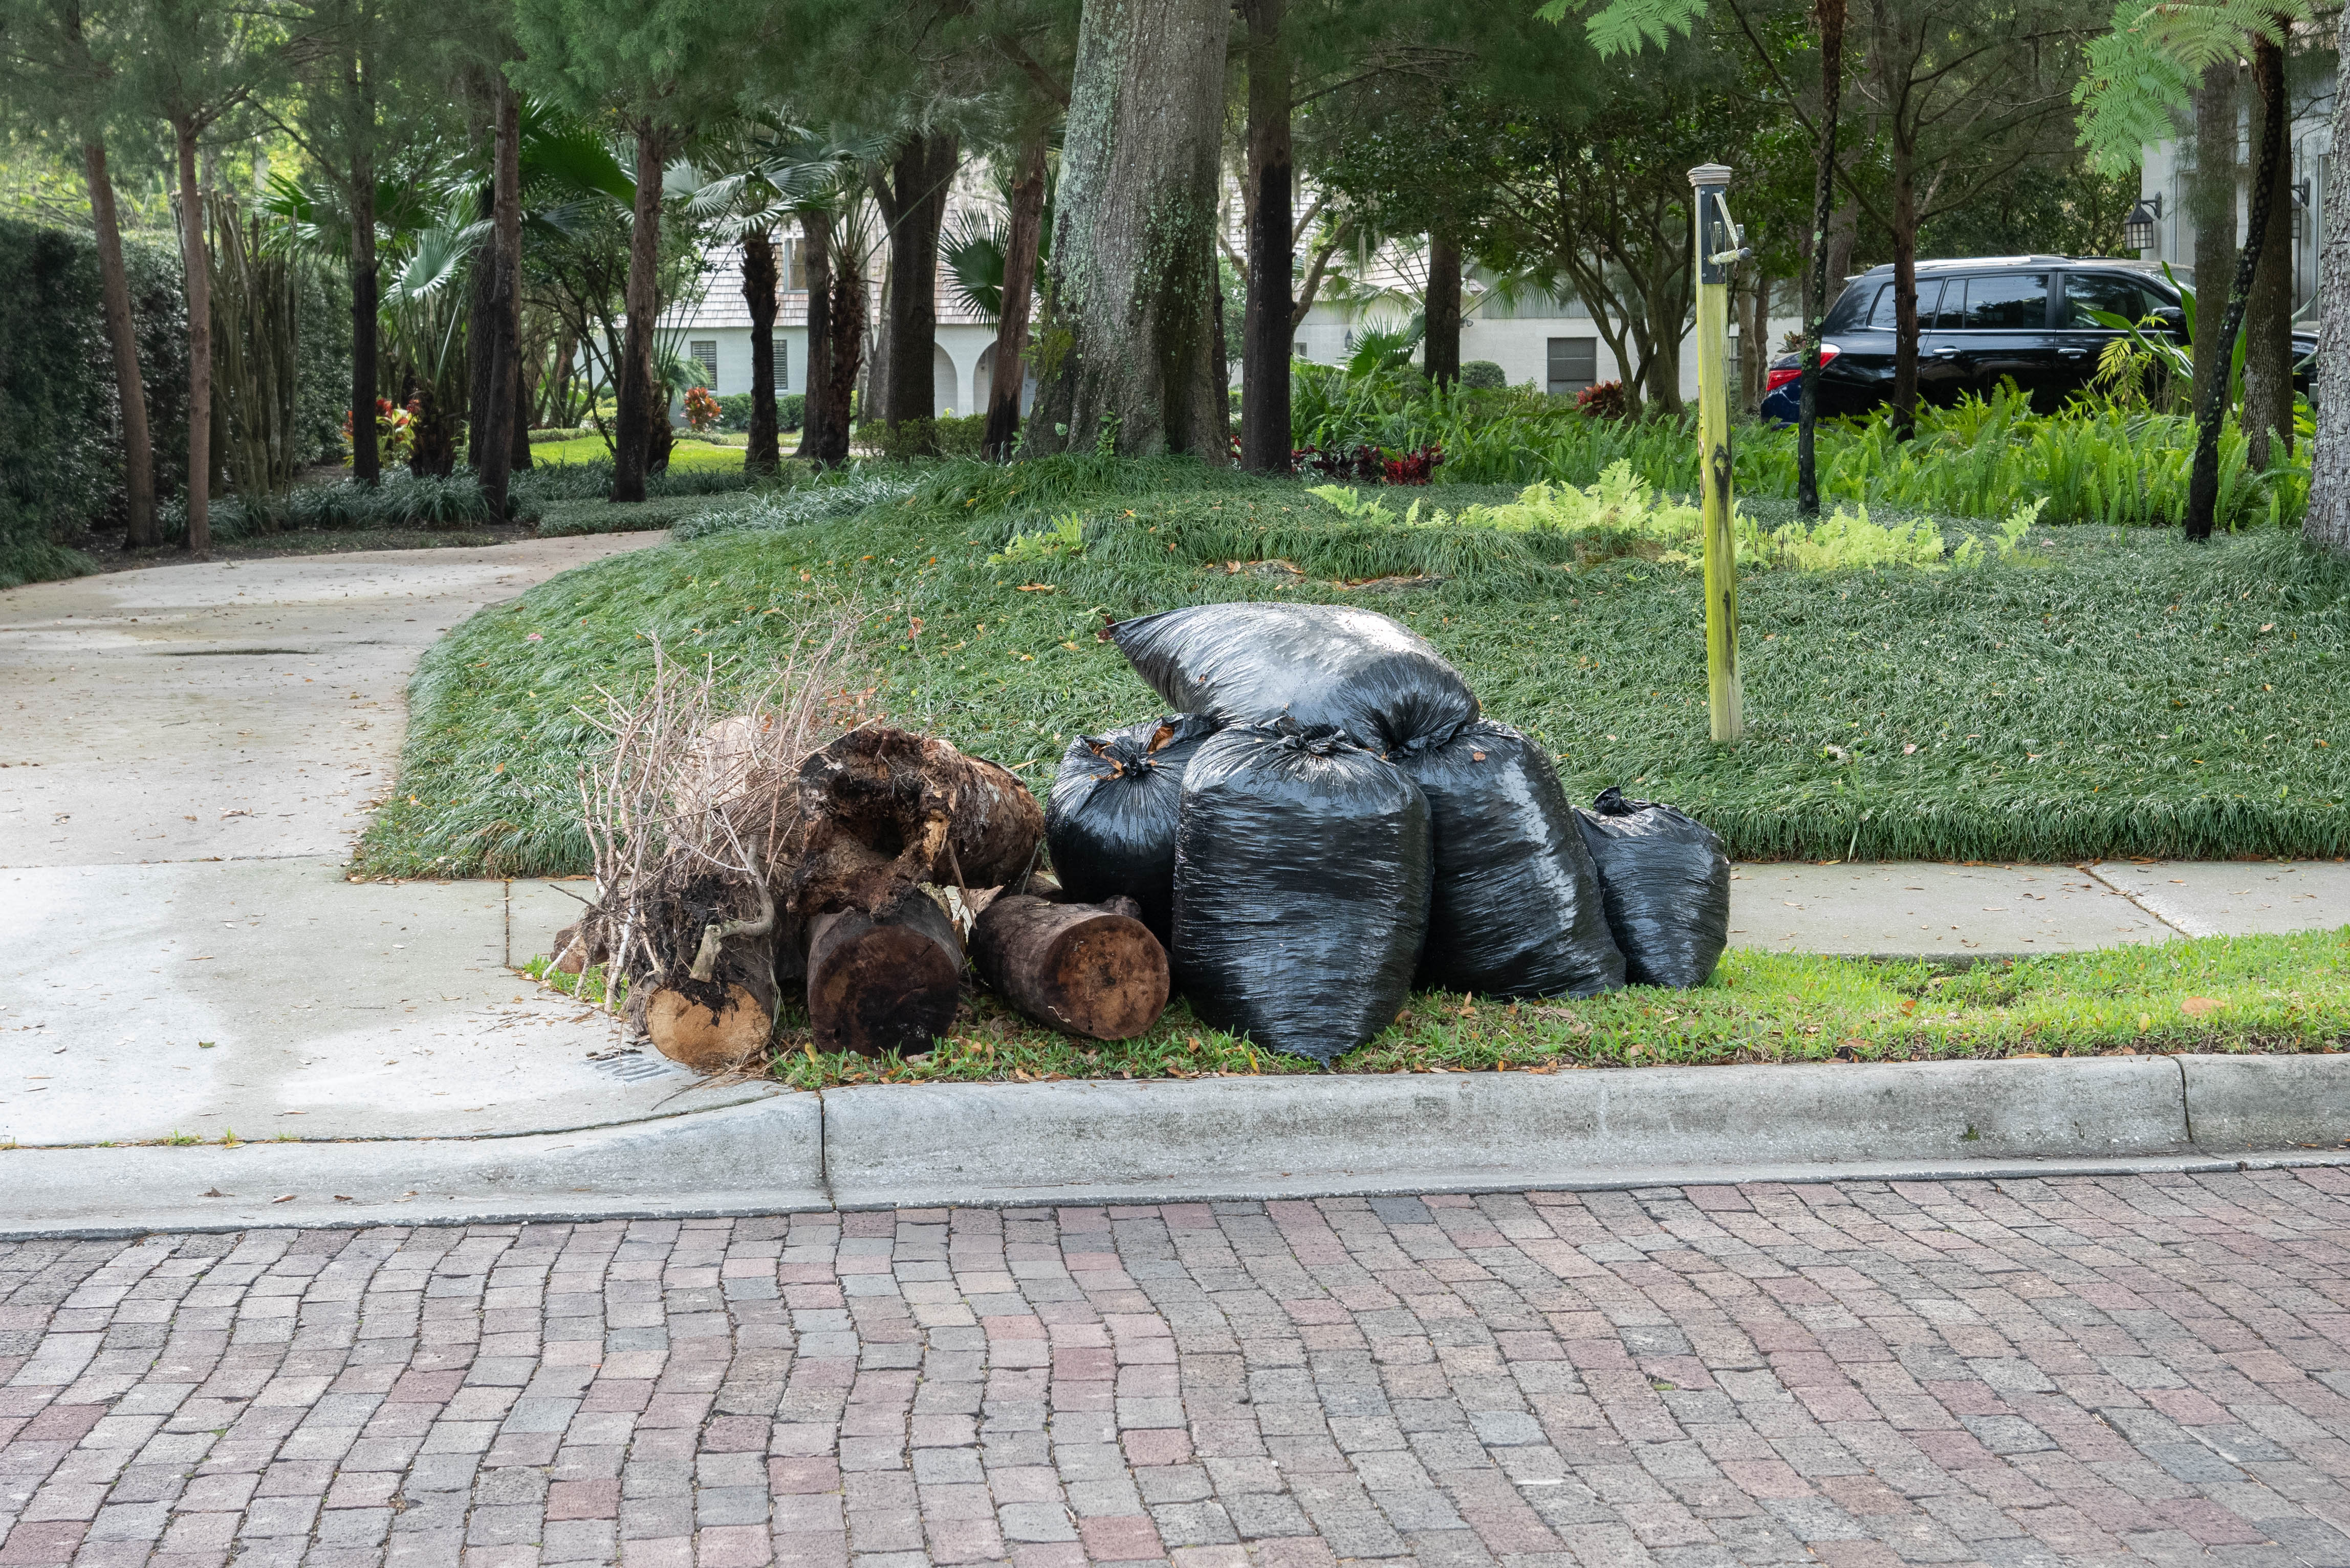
(1368, 465)
(395, 429)
(701, 412)
(1603, 401)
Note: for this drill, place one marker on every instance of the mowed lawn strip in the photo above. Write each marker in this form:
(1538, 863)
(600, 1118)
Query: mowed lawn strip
(2287, 994)
(2103, 693)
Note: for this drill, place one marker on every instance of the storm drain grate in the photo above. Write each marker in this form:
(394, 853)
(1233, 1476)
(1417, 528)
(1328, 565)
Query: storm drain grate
(632, 1065)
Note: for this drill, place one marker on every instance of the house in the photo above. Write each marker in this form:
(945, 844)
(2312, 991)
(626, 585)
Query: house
(2159, 229)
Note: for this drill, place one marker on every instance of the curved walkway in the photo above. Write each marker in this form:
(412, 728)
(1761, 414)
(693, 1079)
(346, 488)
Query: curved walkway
(186, 755)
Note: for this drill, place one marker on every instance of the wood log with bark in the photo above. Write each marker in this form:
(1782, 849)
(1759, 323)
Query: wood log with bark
(883, 808)
(884, 978)
(1089, 970)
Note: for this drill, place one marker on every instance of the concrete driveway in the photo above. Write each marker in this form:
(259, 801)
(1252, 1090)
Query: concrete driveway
(187, 754)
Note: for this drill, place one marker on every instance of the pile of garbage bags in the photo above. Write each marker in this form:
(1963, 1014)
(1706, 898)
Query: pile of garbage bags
(1329, 820)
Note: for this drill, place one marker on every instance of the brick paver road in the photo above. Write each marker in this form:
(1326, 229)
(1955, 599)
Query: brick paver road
(2061, 1371)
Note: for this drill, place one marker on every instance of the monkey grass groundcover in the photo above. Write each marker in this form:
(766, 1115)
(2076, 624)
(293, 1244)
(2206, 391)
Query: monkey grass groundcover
(2094, 691)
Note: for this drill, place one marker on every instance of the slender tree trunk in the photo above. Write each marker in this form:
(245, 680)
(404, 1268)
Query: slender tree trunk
(2268, 313)
(1272, 244)
(848, 325)
(1130, 358)
(873, 405)
(2212, 409)
(1904, 289)
(2211, 214)
(122, 335)
(924, 171)
(1441, 354)
(367, 454)
(759, 453)
(482, 280)
(1753, 340)
(1827, 21)
(493, 459)
(2327, 524)
(1008, 372)
(816, 403)
(195, 263)
(632, 444)
(518, 458)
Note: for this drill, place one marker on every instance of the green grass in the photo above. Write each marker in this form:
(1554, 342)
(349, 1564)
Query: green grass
(559, 519)
(682, 455)
(2103, 692)
(2271, 994)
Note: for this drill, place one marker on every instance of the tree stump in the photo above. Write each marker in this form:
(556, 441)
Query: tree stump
(883, 808)
(708, 1026)
(1089, 970)
(889, 979)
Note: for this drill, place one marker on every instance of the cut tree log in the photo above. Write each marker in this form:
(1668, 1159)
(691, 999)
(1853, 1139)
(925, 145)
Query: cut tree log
(883, 808)
(884, 980)
(708, 1026)
(1090, 969)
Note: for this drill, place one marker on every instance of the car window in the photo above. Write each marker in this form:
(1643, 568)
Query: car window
(2002, 301)
(1851, 309)
(1881, 314)
(2088, 291)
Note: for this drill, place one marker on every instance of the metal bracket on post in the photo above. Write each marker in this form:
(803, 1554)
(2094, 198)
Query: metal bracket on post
(1719, 246)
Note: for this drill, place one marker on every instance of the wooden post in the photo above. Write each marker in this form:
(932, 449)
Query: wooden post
(1718, 247)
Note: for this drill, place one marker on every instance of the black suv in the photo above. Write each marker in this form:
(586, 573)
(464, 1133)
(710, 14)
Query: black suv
(1980, 321)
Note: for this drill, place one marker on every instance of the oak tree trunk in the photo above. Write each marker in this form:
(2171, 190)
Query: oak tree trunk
(816, 403)
(759, 452)
(1089, 970)
(1129, 355)
(632, 442)
(1272, 244)
(1008, 372)
(2211, 407)
(2211, 214)
(1827, 22)
(122, 336)
(2327, 524)
(919, 179)
(2268, 311)
(196, 265)
(1442, 353)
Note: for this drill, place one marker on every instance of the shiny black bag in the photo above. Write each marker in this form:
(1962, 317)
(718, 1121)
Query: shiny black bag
(1301, 888)
(1516, 908)
(1321, 666)
(1666, 884)
(1110, 819)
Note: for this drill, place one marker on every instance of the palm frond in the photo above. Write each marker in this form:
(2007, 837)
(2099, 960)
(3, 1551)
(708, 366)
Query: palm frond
(1626, 27)
(974, 250)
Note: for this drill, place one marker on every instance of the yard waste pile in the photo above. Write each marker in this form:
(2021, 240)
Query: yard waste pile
(1357, 828)
(1329, 822)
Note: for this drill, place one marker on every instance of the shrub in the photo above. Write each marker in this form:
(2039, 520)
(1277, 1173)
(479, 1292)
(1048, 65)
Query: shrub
(735, 410)
(945, 436)
(1603, 401)
(1482, 376)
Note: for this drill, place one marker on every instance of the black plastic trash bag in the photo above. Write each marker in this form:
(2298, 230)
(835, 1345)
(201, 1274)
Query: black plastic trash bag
(1322, 666)
(1516, 908)
(1666, 883)
(1301, 888)
(1110, 819)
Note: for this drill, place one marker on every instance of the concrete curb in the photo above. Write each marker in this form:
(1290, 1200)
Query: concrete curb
(1098, 1142)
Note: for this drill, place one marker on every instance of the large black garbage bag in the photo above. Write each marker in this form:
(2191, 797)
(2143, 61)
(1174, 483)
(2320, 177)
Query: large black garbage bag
(1301, 888)
(1516, 908)
(1666, 883)
(1322, 666)
(1110, 819)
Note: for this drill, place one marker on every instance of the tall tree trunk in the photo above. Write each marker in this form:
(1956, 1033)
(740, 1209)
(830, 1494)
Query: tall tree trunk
(848, 331)
(194, 260)
(1442, 353)
(2268, 313)
(924, 170)
(1827, 22)
(366, 453)
(2211, 214)
(482, 285)
(816, 403)
(1905, 287)
(1272, 244)
(873, 403)
(759, 452)
(518, 458)
(2327, 524)
(2211, 408)
(1754, 341)
(632, 442)
(1131, 358)
(122, 335)
(1008, 372)
(493, 459)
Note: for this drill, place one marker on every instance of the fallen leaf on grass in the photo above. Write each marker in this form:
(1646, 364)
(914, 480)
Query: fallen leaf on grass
(2201, 1006)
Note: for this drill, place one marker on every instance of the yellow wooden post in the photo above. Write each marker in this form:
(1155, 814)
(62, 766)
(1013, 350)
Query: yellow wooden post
(1718, 247)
